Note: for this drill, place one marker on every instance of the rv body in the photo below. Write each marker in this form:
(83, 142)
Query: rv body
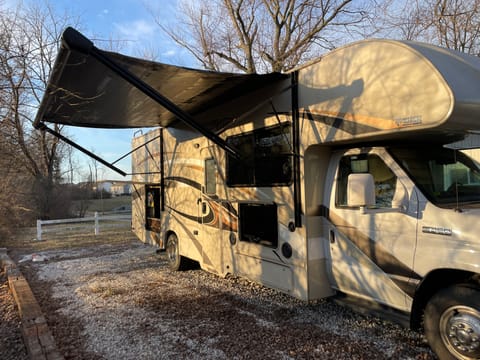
(345, 185)
(380, 250)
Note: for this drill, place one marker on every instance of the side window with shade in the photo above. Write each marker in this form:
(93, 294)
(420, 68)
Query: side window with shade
(266, 157)
(385, 180)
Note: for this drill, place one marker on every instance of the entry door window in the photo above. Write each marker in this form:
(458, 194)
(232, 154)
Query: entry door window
(210, 177)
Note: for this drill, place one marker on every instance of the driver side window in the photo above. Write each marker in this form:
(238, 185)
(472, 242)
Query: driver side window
(385, 180)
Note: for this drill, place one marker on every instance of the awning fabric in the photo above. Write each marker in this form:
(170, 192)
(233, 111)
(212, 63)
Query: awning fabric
(82, 91)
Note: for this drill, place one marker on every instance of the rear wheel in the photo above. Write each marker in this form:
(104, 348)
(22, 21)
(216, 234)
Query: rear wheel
(175, 260)
(452, 323)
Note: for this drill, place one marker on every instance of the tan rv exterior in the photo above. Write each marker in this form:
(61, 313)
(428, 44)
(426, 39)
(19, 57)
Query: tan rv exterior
(361, 104)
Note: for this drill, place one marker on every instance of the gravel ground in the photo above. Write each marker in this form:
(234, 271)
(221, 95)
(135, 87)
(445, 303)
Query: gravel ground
(120, 301)
(11, 342)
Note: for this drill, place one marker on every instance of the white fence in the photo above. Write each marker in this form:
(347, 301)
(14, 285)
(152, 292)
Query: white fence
(93, 223)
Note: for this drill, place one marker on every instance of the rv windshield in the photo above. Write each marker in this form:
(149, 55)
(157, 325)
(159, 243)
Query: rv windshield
(447, 177)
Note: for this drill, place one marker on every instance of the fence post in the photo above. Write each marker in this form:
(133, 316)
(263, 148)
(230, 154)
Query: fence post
(97, 228)
(39, 230)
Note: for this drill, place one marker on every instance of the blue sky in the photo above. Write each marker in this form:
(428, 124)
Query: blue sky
(132, 23)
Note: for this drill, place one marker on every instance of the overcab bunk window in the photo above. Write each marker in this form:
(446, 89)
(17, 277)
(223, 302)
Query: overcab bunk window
(152, 207)
(266, 157)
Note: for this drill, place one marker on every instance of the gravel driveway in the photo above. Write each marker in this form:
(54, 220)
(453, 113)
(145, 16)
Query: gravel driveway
(120, 301)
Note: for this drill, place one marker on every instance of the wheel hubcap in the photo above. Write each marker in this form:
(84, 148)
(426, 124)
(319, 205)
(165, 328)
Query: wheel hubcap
(172, 249)
(460, 330)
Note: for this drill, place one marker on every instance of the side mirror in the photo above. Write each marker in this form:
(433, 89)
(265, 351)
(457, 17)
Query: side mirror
(360, 190)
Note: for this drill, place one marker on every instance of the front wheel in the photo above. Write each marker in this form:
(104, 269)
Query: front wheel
(452, 323)
(175, 260)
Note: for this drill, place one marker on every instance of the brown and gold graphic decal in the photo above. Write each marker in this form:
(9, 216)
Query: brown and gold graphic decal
(354, 124)
(218, 214)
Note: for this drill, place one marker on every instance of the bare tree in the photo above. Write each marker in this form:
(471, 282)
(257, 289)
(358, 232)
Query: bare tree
(400, 19)
(454, 24)
(263, 35)
(28, 46)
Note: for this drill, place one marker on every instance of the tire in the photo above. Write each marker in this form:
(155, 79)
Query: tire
(452, 323)
(176, 262)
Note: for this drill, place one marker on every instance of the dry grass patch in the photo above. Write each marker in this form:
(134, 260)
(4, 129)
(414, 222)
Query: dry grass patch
(104, 290)
(24, 240)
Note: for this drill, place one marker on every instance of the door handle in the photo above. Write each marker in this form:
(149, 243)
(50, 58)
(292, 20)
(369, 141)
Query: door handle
(331, 237)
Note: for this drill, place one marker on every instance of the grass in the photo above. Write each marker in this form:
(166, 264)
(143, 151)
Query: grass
(23, 240)
(105, 290)
(103, 205)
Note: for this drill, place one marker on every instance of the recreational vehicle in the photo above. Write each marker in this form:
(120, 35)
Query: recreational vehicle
(347, 176)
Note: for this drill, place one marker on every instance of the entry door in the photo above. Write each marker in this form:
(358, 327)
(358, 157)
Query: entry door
(210, 217)
(372, 248)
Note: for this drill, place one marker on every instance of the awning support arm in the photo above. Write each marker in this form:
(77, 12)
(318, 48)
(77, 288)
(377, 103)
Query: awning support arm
(138, 147)
(43, 127)
(297, 198)
(72, 39)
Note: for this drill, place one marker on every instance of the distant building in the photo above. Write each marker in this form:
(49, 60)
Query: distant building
(121, 188)
(103, 185)
(115, 187)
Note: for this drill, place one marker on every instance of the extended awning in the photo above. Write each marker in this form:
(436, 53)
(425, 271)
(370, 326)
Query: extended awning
(93, 88)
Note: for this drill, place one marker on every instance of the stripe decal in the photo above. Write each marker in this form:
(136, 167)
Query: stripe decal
(216, 209)
(185, 181)
(348, 126)
(355, 124)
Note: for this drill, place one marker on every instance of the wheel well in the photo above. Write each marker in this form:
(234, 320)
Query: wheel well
(433, 282)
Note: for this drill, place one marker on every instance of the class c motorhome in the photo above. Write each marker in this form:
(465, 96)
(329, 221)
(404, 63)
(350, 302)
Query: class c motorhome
(350, 175)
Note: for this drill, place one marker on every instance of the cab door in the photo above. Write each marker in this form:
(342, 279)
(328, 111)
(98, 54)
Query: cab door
(372, 247)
